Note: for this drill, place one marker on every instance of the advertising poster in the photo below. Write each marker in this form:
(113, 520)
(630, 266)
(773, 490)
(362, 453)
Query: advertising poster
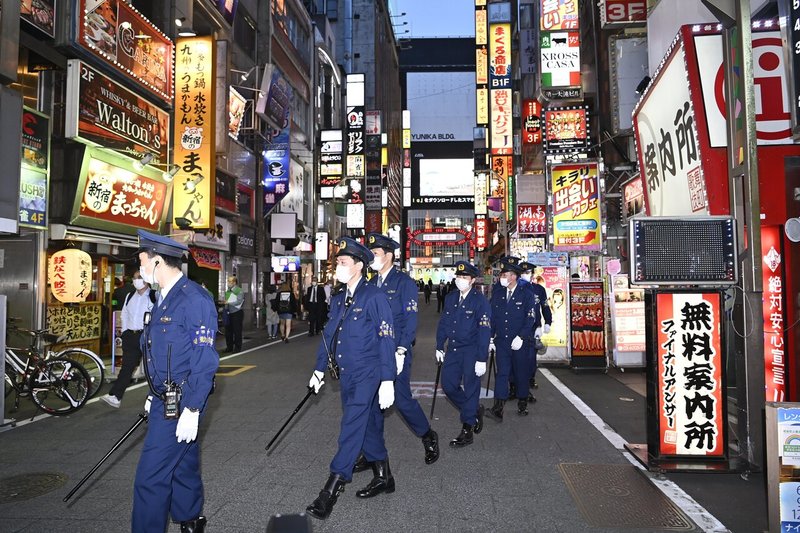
(554, 280)
(117, 34)
(195, 148)
(32, 198)
(561, 59)
(531, 122)
(789, 455)
(276, 176)
(40, 14)
(629, 320)
(773, 301)
(689, 391)
(236, 107)
(576, 207)
(34, 170)
(566, 130)
(35, 140)
(587, 319)
(633, 197)
(559, 15)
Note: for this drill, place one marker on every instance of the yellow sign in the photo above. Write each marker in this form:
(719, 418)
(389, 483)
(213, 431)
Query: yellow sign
(480, 26)
(195, 109)
(481, 66)
(406, 138)
(576, 208)
(69, 275)
(80, 322)
(482, 104)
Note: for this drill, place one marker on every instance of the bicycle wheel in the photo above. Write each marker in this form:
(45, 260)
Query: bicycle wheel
(60, 386)
(91, 363)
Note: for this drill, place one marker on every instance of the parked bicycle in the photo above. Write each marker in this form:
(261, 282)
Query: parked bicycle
(57, 386)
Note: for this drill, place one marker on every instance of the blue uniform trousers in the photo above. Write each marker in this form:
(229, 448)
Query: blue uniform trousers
(405, 403)
(362, 422)
(514, 365)
(459, 365)
(533, 358)
(167, 478)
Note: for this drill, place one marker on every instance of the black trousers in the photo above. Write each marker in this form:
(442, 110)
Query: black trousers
(316, 318)
(131, 357)
(233, 331)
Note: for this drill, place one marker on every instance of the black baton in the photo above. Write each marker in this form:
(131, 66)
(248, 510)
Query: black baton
(489, 377)
(296, 409)
(142, 418)
(436, 387)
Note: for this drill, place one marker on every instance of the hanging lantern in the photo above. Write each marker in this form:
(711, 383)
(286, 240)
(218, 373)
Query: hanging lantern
(69, 275)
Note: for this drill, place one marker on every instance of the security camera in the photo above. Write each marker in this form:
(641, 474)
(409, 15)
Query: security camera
(183, 223)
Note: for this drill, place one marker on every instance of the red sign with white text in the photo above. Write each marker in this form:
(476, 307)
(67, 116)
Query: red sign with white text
(774, 337)
(481, 233)
(614, 13)
(689, 364)
(532, 122)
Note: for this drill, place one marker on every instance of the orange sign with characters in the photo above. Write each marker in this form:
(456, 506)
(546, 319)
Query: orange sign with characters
(69, 274)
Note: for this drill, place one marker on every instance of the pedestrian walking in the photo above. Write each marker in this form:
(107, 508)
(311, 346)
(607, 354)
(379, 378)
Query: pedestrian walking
(358, 342)
(427, 291)
(317, 306)
(401, 292)
(466, 327)
(234, 306)
(134, 307)
(440, 294)
(286, 306)
(271, 313)
(512, 328)
(180, 362)
(542, 313)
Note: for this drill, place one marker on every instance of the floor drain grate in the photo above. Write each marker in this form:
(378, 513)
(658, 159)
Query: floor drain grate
(620, 496)
(26, 486)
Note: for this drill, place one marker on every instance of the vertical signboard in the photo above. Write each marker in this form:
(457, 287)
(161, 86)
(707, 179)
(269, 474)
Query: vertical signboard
(689, 385)
(561, 59)
(481, 192)
(587, 321)
(559, 15)
(33, 183)
(501, 132)
(532, 219)
(194, 152)
(791, 52)
(481, 64)
(499, 189)
(531, 122)
(576, 207)
(773, 302)
(481, 233)
(356, 164)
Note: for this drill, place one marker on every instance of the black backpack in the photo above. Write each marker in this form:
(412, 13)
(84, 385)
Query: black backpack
(128, 297)
(284, 306)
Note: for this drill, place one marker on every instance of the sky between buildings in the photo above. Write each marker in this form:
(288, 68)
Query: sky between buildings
(434, 18)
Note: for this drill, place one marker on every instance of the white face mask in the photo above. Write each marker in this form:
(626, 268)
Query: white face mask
(138, 283)
(462, 284)
(504, 282)
(151, 277)
(376, 265)
(526, 277)
(343, 273)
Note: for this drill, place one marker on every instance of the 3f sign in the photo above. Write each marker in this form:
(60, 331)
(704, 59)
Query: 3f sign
(626, 10)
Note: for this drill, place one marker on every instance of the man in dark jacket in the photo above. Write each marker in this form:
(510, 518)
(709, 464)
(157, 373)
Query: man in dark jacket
(316, 304)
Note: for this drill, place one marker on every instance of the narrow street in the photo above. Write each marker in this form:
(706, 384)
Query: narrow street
(511, 479)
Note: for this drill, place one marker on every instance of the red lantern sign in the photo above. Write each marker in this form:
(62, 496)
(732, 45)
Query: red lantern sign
(69, 275)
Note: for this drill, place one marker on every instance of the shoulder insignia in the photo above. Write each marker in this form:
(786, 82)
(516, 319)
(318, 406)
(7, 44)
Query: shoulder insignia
(484, 321)
(204, 337)
(385, 330)
(411, 307)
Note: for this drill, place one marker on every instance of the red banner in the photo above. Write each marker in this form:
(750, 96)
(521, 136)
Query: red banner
(206, 258)
(532, 219)
(531, 122)
(689, 388)
(774, 332)
(481, 233)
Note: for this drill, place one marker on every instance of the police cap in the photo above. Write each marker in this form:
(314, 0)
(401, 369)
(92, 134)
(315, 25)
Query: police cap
(463, 268)
(355, 249)
(510, 264)
(527, 267)
(160, 244)
(376, 240)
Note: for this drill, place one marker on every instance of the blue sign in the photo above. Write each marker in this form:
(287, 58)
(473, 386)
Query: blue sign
(275, 178)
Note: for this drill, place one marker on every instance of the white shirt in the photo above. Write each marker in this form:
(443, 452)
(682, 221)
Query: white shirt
(134, 309)
(166, 288)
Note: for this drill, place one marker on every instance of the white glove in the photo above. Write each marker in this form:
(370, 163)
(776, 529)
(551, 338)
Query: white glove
(186, 430)
(386, 394)
(439, 356)
(316, 382)
(400, 359)
(516, 344)
(147, 403)
(537, 333)
(546, 329)
(480, 368)
(491, 345)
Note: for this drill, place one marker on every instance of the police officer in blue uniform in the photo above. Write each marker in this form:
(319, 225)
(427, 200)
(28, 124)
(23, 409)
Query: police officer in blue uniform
(512, 327)
(358, 343)
(542, 312)
(178, 343)
(465, 326)
(401, 291)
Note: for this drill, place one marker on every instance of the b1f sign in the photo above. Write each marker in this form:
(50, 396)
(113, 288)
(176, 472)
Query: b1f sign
(619, 13)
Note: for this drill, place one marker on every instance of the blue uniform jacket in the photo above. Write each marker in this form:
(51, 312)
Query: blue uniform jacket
(366, 336)
(184, 326)
(466, 326)
(514, 318)
(539, 302)
(401, 291)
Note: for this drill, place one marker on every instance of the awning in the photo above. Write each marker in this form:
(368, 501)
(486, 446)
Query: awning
(206, 258)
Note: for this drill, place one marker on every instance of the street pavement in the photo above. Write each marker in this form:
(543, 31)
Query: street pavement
(508, 480)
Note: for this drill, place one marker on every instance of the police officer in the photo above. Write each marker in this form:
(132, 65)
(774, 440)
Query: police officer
(466, 328)
(512, 328)
(178, 343)
(401, 291)
(542, 312)
(358, 340)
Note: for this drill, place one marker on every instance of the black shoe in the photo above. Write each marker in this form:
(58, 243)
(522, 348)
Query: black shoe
(361, 463)
(237, 349)
(478, 427)
(321, 507)
(533, 383)
(382, 482)
(198, 525)
(464, 438)
(522, 408)
(531, 398)
(430, 441)
(286, 339)
(496, 411)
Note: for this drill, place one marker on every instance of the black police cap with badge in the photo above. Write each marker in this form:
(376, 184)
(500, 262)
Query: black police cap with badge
(353, 248)
(510, 264)
(160, 245)
(527, 267)
(466, 269)
(377, 240)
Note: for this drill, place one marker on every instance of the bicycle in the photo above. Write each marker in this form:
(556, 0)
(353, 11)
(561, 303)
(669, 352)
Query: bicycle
(57, 386)
(90, 361)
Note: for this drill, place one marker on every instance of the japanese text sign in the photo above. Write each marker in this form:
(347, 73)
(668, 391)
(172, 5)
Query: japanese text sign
(500, 56)
(32, 198)
(531, 122)
(532, 219)
(115, 32)
(576, 207)
(774, 327)
(194, 152)
(561, 59)
(276, 175)
(502, 137)
(69, 275)
(559, 15)
(81, 322)
(689, 365)
(587, 320)
(616, 13)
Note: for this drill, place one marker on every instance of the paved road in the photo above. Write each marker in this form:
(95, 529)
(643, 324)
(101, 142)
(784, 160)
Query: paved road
(508, 480)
